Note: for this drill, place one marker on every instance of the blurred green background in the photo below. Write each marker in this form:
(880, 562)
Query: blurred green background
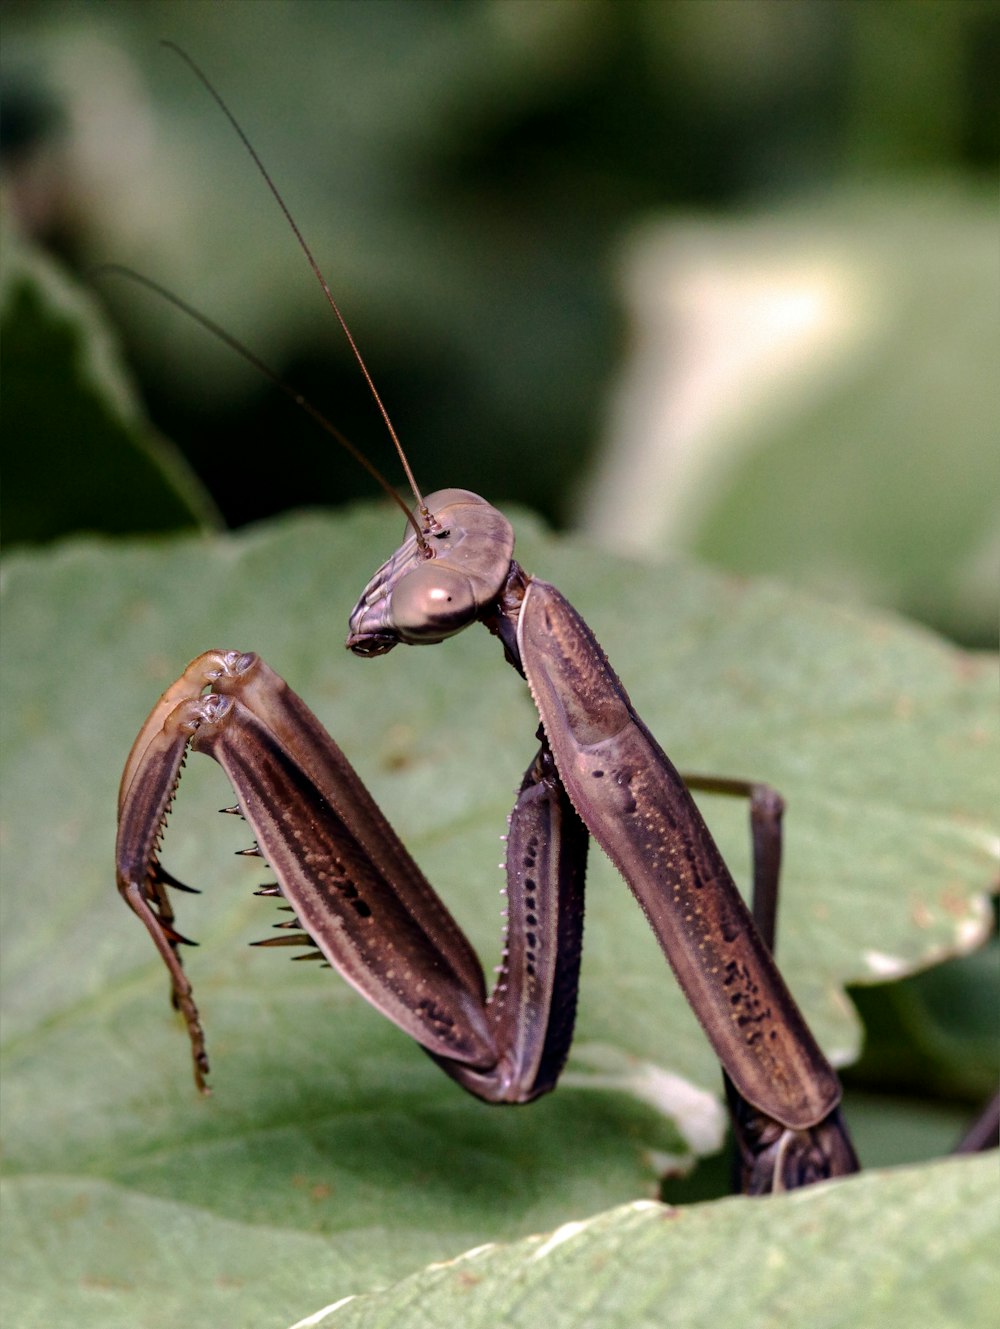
(541, 220)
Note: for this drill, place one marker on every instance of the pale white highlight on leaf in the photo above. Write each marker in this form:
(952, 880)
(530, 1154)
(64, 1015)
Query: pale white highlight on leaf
(665, 1164)
(972, 932)
(698, 1115)
(319, 1316)
(472, 1254)
(991, 843)
(561, 1234)
(886, 966)
(846, 1053)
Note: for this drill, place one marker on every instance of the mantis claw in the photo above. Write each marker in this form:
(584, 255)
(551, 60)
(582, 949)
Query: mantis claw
(174, 937)
(168, 879)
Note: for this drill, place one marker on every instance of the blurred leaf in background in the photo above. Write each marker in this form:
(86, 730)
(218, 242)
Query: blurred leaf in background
(812, 393)
(465, 173)
(77, 442)
(400, 136)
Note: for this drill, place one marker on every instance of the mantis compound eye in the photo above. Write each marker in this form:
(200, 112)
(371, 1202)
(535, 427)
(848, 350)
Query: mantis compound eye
(431, 603)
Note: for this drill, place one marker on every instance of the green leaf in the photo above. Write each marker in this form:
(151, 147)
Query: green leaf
(334, 1157)
(103, 466)
(811, 1258)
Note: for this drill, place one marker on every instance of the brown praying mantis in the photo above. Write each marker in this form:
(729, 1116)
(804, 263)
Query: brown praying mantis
(360, 902)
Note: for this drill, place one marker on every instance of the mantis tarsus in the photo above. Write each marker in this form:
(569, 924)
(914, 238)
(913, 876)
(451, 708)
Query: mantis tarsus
(359, 900)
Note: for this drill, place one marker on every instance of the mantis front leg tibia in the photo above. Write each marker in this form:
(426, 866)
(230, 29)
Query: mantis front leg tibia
(356, 893)
(358, 897)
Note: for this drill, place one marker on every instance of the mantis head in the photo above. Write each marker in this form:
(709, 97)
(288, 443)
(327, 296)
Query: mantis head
(419, 596)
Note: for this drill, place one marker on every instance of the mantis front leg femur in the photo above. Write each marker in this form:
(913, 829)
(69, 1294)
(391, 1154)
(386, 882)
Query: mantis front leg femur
(358, 897)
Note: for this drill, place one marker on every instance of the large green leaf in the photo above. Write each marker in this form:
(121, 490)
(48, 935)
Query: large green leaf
(333, 1157)
(811, 1258)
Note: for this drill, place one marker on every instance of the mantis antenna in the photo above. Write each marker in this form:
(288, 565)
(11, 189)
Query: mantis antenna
(428, 518)
(120, 270)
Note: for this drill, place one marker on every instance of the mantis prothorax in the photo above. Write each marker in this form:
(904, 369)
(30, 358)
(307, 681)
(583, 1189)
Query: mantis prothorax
(358, 898)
